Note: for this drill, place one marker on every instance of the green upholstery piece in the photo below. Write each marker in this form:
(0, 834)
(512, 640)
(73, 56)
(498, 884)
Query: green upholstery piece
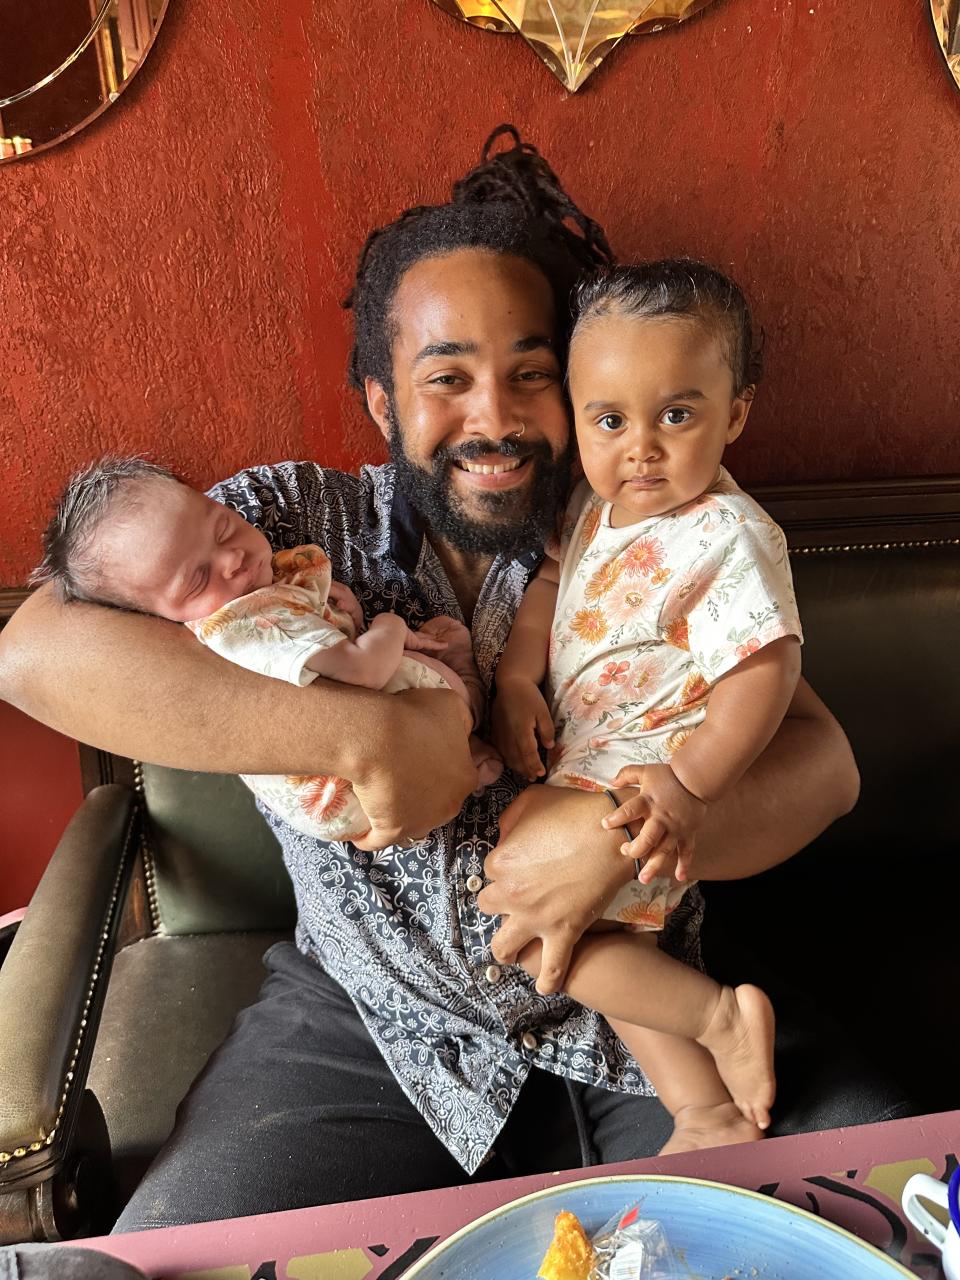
(178, 994)
(216, 865)
(882, 634)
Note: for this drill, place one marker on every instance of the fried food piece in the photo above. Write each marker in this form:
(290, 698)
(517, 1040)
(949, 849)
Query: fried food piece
(570, 1255)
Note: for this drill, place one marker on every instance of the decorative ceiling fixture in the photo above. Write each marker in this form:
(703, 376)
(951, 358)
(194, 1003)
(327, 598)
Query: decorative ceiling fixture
(573, 36)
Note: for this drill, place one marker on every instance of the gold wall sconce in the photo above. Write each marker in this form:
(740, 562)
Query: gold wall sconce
(572, 37)
(946, 23)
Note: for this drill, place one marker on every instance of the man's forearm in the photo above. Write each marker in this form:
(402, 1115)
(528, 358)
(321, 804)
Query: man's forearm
(803, 781)
(146, 688)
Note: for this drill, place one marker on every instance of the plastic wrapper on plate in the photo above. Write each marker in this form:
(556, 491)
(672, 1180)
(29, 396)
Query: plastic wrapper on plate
(630, 1247)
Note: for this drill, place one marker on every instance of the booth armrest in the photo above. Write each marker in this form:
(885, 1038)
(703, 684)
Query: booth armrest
(52, 984)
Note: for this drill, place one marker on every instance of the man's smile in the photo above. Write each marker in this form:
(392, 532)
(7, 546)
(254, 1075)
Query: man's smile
(483, 473)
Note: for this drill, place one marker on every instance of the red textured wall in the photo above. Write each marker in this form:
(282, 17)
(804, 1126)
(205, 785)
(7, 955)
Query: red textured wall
(171, 277)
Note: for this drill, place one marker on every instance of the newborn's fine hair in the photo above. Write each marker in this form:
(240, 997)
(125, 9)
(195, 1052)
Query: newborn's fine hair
(90, 496)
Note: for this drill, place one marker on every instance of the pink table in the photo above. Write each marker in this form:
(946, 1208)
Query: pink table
(853, 1177)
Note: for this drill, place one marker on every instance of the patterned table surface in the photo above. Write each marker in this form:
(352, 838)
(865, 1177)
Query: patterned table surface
(852, 1177)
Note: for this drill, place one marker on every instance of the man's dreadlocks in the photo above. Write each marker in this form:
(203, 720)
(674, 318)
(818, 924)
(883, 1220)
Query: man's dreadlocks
(510, 203)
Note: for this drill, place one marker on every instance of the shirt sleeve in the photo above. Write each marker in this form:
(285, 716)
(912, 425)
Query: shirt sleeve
(277, 499)
(735, 598)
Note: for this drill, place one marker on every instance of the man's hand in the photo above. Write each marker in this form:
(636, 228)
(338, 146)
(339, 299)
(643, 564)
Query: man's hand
(668, 817)
(551, 875)
(521, 717)
(421, 772)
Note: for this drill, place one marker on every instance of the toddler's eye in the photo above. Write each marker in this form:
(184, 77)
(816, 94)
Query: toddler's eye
(610, 422)
(677, 417)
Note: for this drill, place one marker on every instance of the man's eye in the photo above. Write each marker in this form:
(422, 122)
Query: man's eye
(610, 422)
(444, 380)
(677, 417)
(533, 375)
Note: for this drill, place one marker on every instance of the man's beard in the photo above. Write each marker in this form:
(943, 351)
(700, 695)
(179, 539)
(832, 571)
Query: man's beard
(519, 519)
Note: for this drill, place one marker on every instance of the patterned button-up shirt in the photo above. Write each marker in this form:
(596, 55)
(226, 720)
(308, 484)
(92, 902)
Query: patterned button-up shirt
(400, 929)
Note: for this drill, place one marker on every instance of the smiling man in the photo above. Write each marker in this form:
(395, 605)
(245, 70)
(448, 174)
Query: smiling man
(395, 1048)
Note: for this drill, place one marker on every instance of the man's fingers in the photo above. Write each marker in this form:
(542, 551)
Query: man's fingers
(554, 964)
(545, 727)
(508, 941)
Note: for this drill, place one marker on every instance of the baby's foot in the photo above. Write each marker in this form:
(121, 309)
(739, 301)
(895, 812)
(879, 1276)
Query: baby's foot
(740, 1037)
(721, 1125)
(486, 761)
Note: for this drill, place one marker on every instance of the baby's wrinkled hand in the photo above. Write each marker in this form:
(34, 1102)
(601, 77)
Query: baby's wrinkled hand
(665, 815)
(521, 717)
(420, 643)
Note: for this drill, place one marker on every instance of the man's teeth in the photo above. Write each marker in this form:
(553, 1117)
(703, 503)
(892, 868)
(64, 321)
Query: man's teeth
(485, 469)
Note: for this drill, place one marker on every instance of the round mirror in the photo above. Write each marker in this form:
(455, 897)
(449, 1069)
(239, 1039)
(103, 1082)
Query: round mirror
(946, 20)
(65, 61)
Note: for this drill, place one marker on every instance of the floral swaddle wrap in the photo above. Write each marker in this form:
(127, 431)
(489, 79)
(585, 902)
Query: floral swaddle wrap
(274, 631)
(648, 618)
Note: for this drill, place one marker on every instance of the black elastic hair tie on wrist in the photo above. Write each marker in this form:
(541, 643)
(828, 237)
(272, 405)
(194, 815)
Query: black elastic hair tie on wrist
(637, 864)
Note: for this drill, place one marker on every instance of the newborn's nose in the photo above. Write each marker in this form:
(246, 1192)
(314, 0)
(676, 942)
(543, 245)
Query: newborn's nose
(232, 561)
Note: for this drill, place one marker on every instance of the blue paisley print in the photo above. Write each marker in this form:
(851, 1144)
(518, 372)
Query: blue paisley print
(400, 929)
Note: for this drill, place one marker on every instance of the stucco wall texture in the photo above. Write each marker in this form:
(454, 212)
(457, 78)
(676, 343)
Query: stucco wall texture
(172, 276)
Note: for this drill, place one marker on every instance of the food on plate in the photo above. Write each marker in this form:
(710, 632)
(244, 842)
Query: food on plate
(570, 1255)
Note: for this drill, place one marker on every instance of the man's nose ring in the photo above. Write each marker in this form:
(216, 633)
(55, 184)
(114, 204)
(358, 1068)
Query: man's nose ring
(519, 434)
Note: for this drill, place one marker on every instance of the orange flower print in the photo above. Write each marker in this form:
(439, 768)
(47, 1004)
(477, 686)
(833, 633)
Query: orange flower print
(589, 624)
(216, 623)
(660, 577)
(695, 690)
(602, 580)
(613, 673)
(299, 558)
(676, 740)
(581, 783)
(625, 601)
(677, 633)
(645, 915)
(745, 650)
(323, 796)
(641, 559)
(590, 527)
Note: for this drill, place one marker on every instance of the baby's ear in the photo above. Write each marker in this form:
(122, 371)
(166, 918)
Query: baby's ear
(739, 411)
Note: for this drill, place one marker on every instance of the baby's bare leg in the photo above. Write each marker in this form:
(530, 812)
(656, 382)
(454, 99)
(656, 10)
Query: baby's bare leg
(688, 1084)
(628, 979)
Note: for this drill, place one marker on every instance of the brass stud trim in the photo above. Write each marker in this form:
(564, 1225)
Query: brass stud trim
(45, 1140)
(837, 548)
(146, 852)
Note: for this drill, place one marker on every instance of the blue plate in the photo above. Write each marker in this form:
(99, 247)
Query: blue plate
(716, 1231)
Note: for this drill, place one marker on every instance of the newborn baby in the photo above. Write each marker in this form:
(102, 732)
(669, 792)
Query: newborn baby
(128, 533)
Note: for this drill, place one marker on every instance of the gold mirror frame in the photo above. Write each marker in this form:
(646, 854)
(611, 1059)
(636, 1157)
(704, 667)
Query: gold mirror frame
(946, 22)
(86, 79)
(572, 37)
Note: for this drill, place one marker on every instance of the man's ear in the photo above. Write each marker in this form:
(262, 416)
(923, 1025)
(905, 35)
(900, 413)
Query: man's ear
(739, 411)
(378, 404)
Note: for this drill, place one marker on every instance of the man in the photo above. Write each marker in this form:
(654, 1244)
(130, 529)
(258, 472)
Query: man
(394, 1049)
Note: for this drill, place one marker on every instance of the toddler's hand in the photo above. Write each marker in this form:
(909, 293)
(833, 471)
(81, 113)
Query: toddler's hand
(520, 717)
(668, 816)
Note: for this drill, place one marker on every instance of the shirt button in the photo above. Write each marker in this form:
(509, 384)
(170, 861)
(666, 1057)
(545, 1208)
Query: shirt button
(474, 884)
(529, 1041)
(492, 973)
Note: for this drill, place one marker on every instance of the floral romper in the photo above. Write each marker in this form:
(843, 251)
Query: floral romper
(648, 618)
(274, 631)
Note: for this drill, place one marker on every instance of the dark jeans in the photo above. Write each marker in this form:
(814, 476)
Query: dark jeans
(298, 1108)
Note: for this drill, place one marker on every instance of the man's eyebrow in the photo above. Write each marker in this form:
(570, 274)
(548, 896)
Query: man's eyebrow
(434, 349)
(534, 342)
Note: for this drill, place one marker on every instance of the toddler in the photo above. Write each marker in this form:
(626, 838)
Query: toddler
(667, 634)
(128, 533)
